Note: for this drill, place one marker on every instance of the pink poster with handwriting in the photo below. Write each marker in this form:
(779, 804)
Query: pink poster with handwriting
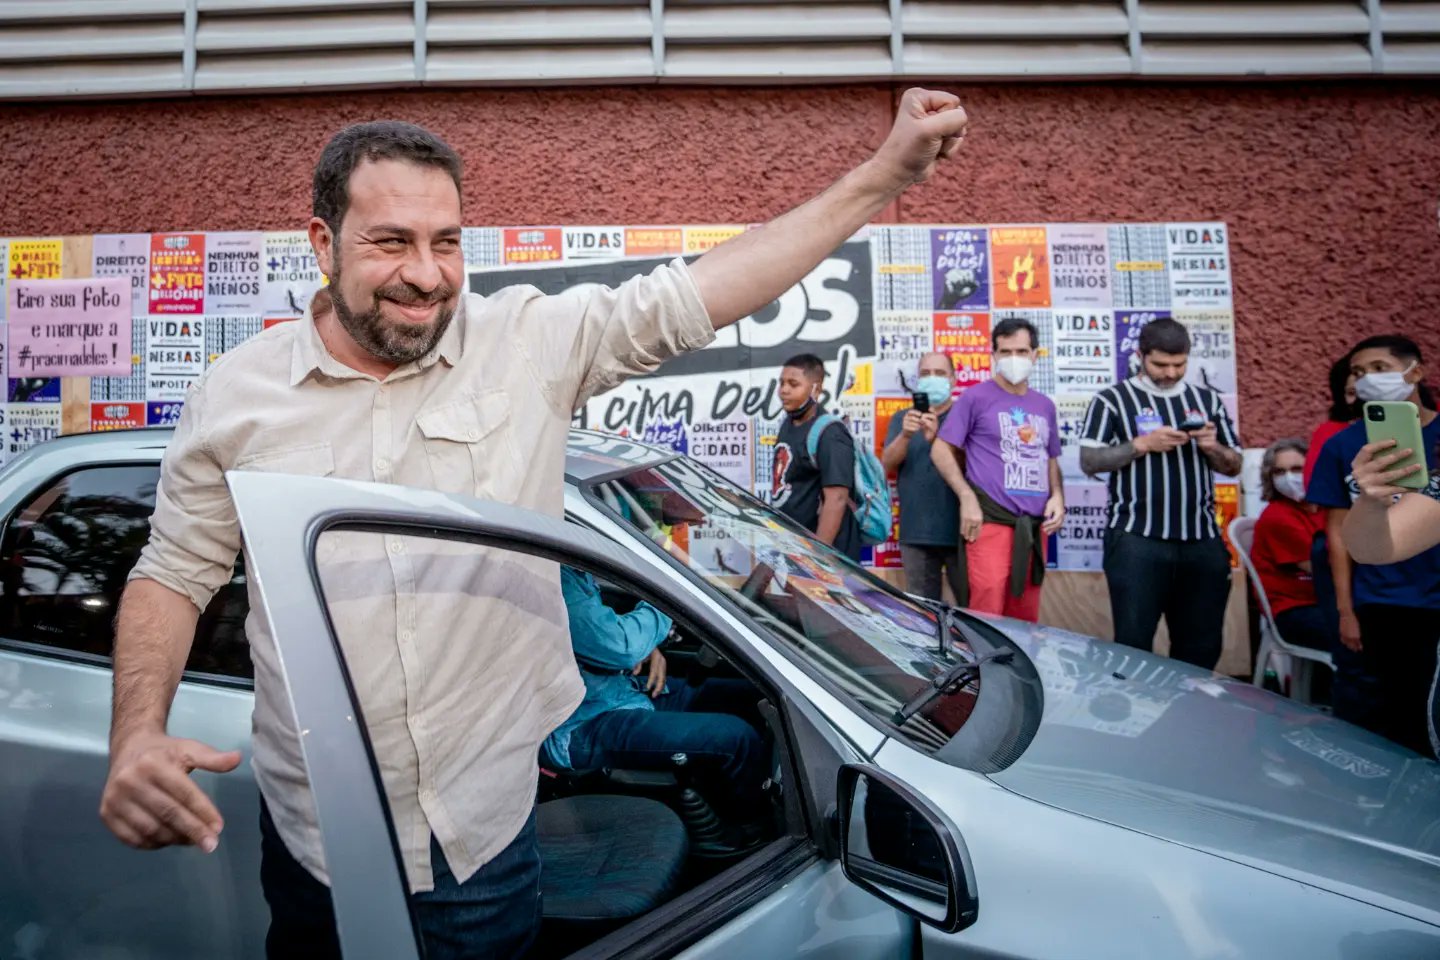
(62, 328)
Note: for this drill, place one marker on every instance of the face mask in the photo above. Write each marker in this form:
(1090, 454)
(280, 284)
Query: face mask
(1291, 485)
(1390, 385)
(803, 410)
(936, 388)
(1015, 369)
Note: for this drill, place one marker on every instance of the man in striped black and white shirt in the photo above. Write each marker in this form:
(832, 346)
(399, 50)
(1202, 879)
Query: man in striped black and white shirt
(1162, 441)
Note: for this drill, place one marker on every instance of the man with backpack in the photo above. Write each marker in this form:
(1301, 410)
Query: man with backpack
(1011, 493)
(819, 479)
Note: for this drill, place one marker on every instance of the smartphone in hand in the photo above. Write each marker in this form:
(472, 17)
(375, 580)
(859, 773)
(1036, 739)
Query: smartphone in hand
(1399, 420)
(1194, 420)
(921, 400)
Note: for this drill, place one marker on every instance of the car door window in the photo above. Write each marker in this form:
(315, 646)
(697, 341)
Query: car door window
(64, 558)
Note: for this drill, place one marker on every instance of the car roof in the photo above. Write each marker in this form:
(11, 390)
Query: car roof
(589, 454)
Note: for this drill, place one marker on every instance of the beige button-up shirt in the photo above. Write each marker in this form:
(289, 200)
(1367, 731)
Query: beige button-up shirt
(460, 654)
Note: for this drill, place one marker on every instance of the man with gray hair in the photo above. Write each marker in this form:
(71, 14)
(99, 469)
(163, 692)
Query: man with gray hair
(406, 379)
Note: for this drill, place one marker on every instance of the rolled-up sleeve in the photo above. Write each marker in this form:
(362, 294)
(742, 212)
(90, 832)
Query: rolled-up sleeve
(194, 536)
(588, 339)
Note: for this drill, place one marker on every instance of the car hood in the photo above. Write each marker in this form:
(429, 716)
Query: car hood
(1163, 748)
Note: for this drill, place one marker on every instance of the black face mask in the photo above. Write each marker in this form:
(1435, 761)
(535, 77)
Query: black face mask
(803, 411)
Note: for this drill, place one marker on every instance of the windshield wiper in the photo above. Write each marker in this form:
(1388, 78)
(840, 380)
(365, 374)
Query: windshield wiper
(951, 681)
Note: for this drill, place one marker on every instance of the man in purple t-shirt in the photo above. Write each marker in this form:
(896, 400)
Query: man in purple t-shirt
(1011, 494)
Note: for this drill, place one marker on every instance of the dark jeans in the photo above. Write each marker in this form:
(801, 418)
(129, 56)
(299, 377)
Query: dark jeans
(1185, 581)
(923, 568)
(494, 914)
(1355, 696)
(715, 724)
(1314, 628)
(1399, 649)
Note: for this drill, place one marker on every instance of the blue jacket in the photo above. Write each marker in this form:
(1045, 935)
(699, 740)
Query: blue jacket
(607, 642)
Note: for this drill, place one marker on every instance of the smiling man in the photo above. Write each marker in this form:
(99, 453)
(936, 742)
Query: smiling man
(397, 376)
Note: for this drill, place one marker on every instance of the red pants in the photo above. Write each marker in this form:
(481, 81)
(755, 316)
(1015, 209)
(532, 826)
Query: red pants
(987, 561)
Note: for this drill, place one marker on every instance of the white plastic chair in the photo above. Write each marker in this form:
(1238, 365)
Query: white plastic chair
(1272, 645)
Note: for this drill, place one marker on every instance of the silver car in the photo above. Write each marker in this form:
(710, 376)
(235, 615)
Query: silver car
(941, 784)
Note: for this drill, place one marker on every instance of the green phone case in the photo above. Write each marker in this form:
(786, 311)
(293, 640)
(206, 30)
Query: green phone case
(1399, 421)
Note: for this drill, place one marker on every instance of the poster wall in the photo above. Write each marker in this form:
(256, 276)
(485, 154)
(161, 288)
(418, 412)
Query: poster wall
(870, 311)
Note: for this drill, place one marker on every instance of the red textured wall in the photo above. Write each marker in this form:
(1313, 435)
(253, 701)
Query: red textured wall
(1330, 190)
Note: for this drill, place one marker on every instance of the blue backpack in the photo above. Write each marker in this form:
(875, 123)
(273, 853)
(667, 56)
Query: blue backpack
(870, 492)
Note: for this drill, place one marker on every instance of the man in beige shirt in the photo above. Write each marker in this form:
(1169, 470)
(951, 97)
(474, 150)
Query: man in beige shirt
(397, 376)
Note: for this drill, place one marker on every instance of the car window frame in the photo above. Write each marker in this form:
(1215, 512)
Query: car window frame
(102, 661)
(316, 505)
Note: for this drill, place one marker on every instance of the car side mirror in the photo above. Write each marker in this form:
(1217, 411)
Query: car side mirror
(901, 848)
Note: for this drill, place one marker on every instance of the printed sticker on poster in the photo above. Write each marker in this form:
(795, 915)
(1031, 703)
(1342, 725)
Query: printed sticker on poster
(174, 356)
(1080, 543)
(1070, 412)
(860, 380)
(1212, 349)
(481, 246)
(232, 272)
(593, 243)
(1084, 350)
(1139, 276)
(966, 338)
(901, 340)
(34, 259)
(858, 412)
(670, 433)
(117, 416)
(702, 239)
(177, 273)
(886, 409)
(163, 413)
(724, 446)
(959, 269)
(654, 241)
(70, 327)
(125, 255)
(1128, 324)
(292, 273)
(27, 424)
(130, 386)
(34, 389)
(531, 244)
(1199, 260)
(1080, 265)
(1020, 267)
(223, 334)
(902, 268)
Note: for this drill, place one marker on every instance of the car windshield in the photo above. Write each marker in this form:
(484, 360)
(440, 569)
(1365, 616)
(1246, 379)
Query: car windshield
(876, 643)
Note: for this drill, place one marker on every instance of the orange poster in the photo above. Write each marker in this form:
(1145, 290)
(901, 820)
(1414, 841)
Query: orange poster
(653, 241)
(1227, 508)
(885, 408)
(532, 244)
(700, 239)
(1020, 267)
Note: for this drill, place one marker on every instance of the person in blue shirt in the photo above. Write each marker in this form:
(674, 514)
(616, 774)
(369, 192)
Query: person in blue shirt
(1389, 612)
(633, 718)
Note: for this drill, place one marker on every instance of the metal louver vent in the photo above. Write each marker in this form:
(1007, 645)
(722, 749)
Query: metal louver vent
(100, 48)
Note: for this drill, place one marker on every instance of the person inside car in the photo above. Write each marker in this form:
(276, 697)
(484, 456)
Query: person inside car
(633, 718)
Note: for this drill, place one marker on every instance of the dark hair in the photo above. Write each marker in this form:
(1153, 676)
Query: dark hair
(376, 140)
(1267, 463)
(1401, 348)
(809, 364)
(1164, 335)
(1341, 410)
(1011, 326)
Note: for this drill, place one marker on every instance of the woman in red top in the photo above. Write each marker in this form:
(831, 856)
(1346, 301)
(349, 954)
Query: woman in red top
(1344, 407)
(1284, 534)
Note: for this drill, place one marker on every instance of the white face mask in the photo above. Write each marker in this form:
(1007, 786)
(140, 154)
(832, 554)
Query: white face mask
(1389, 385)
(1291, 485)
(1014, 369)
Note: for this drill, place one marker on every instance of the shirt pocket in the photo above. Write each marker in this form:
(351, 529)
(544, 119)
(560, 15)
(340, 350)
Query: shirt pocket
(469, 447)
